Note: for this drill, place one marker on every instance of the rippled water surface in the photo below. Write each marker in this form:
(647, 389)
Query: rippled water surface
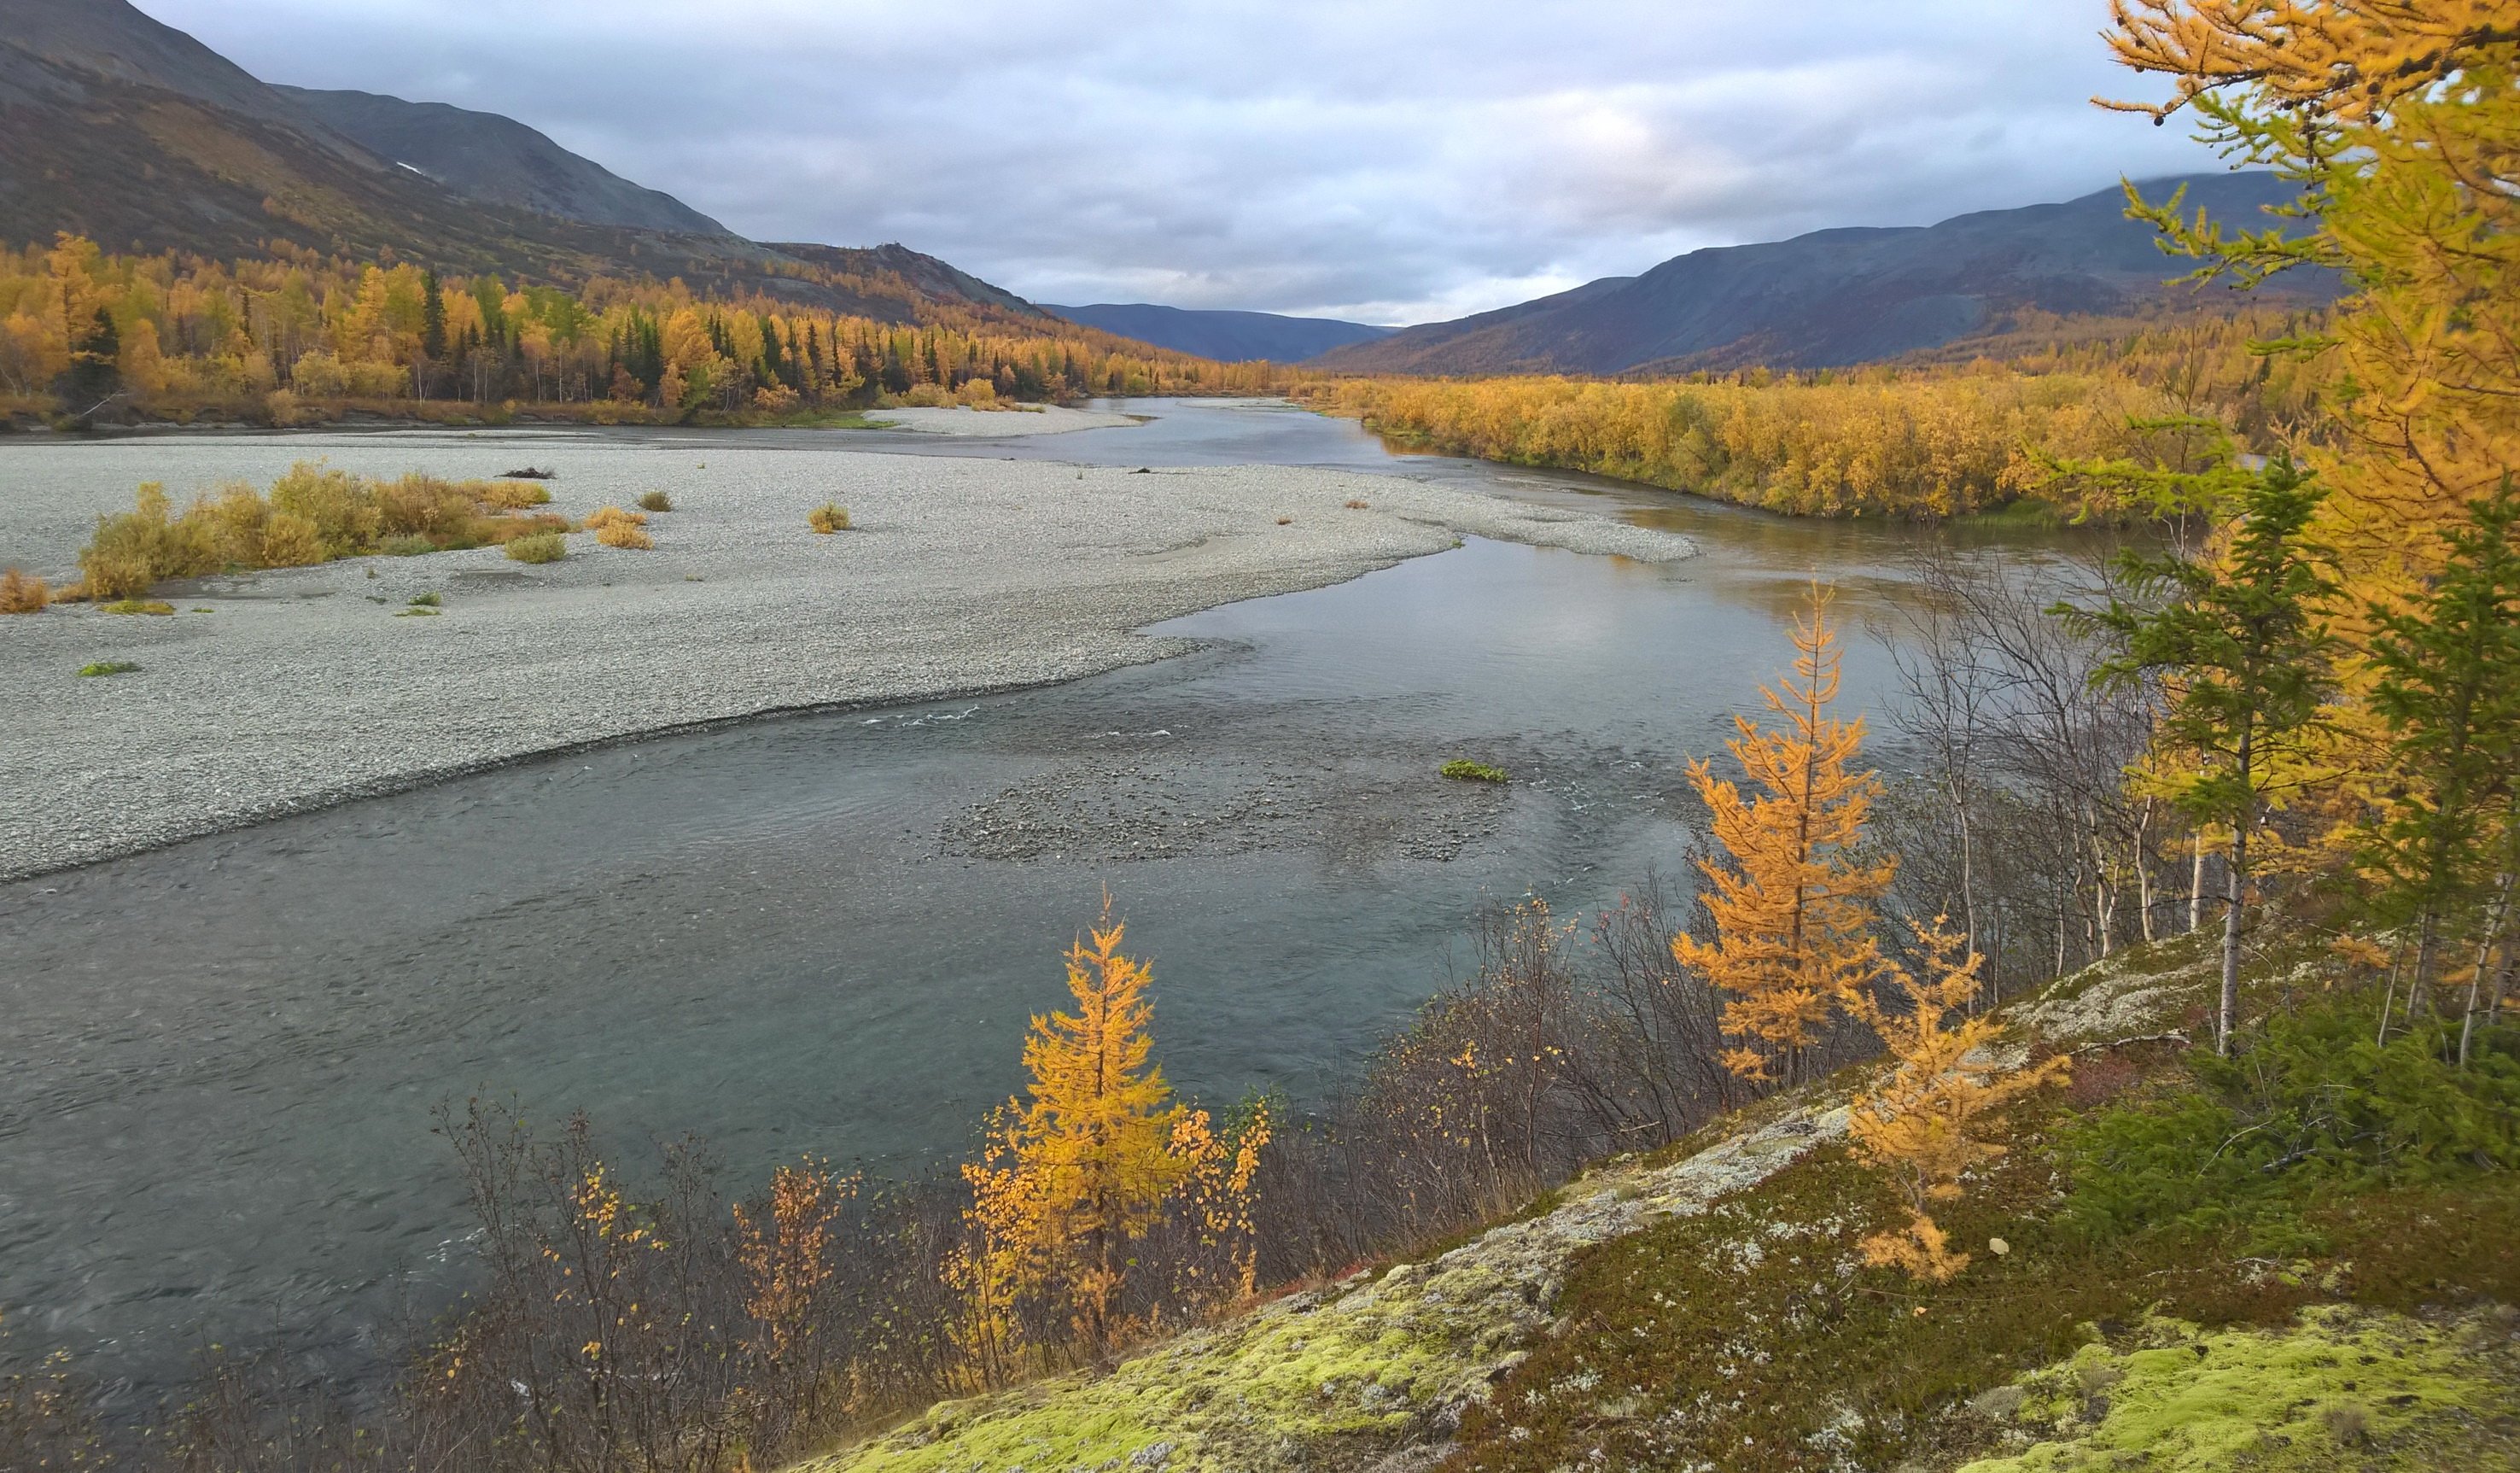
(824, 934)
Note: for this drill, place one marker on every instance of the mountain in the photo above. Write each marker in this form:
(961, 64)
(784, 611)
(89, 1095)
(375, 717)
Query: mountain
(498, 160)
(134, 134)
(1226, 336)
(1836, 297)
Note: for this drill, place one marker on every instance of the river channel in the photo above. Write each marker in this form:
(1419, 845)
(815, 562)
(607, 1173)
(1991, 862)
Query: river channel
(824, 934)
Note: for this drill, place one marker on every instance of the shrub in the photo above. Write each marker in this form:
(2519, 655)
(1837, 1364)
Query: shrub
(509, 495)
(623, 534)
(406, 547)
(829, 518)
(142, 547)
(289, 540)
(541, 547)
(237, 518)
(21, 595)
(1463, 769)
(612, 516)
(426, 506)
(138, 605)
(428, 600)
(109, 668)
(2315, 1106)
(343, 511)
(655, 501)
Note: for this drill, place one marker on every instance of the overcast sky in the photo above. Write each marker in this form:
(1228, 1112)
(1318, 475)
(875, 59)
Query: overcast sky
(1388, 160)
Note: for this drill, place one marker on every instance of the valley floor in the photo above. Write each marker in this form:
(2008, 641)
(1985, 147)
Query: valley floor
(282, 690)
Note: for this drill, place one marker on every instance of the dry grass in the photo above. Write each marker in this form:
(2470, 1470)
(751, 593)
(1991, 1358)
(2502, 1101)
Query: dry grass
(655, 501)
(829, 518)
(623, 534)
(22, 594)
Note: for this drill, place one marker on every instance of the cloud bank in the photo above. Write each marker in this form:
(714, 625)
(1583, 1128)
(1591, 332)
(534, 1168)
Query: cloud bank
(1388, 160)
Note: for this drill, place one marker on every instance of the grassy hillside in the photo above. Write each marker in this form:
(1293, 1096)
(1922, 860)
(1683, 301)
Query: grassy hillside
(1707, 1307)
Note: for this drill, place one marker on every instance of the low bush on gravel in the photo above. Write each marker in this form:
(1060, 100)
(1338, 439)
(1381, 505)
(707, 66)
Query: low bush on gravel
(614, 528)
(21, 595)
(312, 514)
(542, 547)
(829, 518)
(138, 605)
(655, 501)
(108, 667)
(428, 600)
(1462, 770)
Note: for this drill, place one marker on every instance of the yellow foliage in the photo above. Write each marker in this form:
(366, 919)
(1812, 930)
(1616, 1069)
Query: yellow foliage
(1930, 1120)
(22, 594)
(784, 1250)
(1794, 908)
(829, 518)
(1084, 1167)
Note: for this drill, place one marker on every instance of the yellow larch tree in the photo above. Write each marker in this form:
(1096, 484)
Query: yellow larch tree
(1794, 908)
(1080, 1169)
(1932, 1117)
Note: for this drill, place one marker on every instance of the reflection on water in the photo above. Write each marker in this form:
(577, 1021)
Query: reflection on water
(824, 934)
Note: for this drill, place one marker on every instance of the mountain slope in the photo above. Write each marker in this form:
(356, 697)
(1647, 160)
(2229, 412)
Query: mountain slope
(1226, 336)
(498, 160)
(1833, 296)
(133, 133)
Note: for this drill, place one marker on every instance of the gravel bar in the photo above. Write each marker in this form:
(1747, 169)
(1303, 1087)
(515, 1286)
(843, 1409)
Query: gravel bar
(285, 690)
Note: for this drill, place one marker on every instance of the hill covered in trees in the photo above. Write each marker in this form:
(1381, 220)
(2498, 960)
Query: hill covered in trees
(131, 133)
(1836, 298)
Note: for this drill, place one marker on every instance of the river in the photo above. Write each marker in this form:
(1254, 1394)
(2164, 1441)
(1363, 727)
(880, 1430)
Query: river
(824, 934)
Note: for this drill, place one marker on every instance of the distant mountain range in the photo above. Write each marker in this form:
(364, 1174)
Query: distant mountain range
(134, 134)
(1838, 296)
(1226, 336)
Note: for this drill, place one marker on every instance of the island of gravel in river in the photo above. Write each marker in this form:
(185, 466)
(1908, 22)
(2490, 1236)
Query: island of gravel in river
(282, 690)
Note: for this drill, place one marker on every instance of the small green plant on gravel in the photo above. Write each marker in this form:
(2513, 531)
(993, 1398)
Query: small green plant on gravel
(109, 668)
(416, 613)
(655, 501)
(428, 600)
(828, 518)
(138, 605)
(1461, 769)
(542, 547)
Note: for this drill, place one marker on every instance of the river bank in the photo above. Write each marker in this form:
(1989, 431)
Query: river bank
(292, 689)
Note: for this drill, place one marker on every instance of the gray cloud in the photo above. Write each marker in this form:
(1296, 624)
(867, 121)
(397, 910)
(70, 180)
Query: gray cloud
(1388, 160)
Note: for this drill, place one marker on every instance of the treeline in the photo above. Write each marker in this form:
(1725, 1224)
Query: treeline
(1885, 440)
(83, 333)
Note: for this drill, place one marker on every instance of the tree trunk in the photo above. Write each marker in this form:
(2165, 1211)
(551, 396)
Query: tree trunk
(2196, 886)
(2236, 894)
(2484, 956)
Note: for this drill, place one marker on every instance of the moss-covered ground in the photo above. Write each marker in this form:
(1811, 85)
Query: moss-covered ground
(1707, 1308)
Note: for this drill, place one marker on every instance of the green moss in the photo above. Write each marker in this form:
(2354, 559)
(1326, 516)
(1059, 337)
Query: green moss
(2339, 1388)
(428, 600)
(416, 613)
(1463, 769)
(138, 606)
(109, 668)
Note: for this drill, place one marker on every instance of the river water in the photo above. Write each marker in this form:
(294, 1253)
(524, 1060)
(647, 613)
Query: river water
(824, 934)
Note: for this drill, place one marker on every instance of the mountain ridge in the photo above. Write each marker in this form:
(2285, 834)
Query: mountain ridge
(1836, 297)
(497, 160)
(1228, 337)
(133, 134)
